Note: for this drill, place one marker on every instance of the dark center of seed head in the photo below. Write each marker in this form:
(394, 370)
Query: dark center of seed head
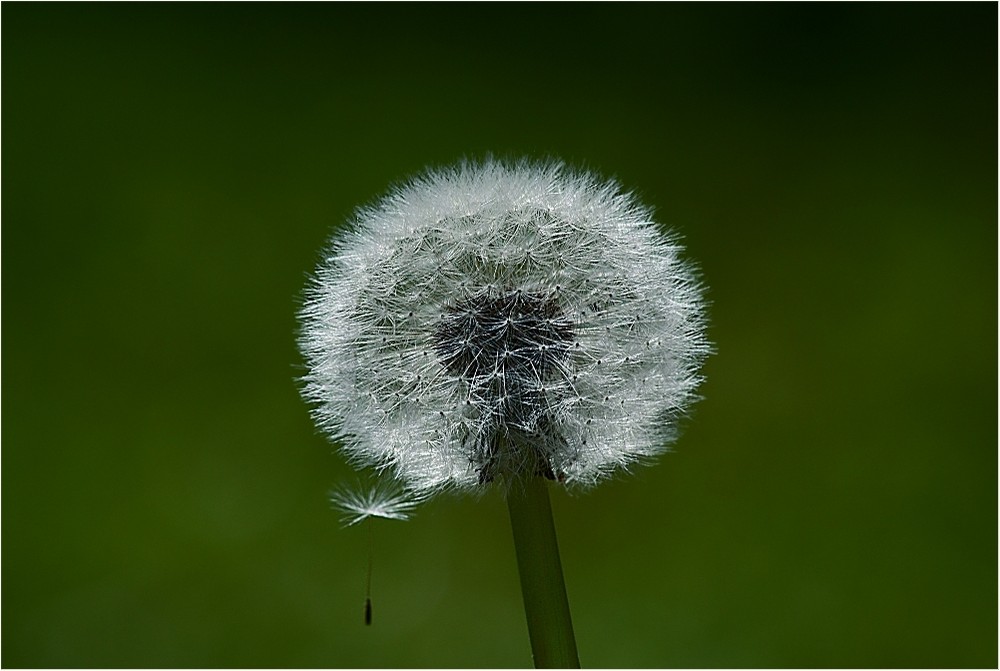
(520, 336)
(505, 345)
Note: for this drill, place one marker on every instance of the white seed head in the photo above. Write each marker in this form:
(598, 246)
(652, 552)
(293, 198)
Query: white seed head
(491, 322)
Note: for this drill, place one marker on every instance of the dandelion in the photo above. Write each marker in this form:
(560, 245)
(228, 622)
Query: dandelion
(503, 323)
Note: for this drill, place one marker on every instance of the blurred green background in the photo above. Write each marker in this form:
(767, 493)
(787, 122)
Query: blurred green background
(171, 173)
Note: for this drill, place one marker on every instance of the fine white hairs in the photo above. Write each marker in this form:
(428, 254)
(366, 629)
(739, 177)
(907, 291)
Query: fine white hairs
(494, 321)
(379, 500)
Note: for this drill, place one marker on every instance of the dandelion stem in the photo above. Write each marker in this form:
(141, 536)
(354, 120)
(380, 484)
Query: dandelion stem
(545, 604)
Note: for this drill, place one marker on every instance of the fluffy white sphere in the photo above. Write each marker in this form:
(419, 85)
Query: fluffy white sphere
(495, 321)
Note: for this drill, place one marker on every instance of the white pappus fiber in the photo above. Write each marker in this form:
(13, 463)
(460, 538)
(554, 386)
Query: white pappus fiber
(358, 504)
(494, 321)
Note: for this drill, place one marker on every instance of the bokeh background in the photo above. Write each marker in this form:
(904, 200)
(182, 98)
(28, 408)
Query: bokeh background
(171, 173)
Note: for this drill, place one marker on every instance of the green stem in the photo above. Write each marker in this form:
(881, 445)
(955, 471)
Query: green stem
(546, 607)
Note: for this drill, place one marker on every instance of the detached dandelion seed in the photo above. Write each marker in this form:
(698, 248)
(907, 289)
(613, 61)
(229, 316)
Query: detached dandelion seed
(362, 505)
(503, 323)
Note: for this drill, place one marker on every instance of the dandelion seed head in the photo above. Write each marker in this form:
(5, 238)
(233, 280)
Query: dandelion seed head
(493, 321)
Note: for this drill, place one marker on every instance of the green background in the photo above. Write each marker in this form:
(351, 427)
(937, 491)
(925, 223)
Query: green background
(171, 173)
